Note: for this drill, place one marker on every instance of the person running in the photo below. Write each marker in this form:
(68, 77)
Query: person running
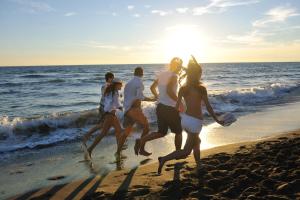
(193, 93)
(108, 80)
(167, 115)
(133, 113)
(111, 105)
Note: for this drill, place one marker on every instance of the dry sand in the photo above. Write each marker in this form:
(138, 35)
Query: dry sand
(265, 169)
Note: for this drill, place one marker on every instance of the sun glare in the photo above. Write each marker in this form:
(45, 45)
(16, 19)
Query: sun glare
(184, 40)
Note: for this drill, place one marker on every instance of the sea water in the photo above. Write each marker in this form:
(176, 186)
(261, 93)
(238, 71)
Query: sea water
(43, 106)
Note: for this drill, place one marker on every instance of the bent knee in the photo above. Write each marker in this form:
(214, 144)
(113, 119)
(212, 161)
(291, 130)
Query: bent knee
(198, 140)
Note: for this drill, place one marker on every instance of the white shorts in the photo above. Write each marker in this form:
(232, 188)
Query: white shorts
(191, 124)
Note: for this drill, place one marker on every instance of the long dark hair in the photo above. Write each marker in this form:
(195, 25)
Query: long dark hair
(193, 74)
(111, 89)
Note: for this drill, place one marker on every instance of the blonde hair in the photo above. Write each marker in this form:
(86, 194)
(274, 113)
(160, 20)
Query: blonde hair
(175, 62)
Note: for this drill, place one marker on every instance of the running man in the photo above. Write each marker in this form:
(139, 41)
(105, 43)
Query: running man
(133, 113)
(167, 115)
(108, 80)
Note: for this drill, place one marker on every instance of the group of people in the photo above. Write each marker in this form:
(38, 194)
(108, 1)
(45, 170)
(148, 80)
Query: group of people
(171, 112)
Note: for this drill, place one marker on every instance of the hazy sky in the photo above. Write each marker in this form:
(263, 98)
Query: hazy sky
(36, 32)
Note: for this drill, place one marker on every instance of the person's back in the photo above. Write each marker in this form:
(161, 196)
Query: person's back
(167, 116)
(192, 120)
(163, 80)
(134, 86)
(193, 97)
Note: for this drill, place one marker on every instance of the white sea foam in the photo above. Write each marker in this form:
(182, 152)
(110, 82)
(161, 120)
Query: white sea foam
(18, 133)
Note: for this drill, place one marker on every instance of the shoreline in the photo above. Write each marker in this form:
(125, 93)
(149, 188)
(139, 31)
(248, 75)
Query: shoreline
(179, 176)
(66, 160)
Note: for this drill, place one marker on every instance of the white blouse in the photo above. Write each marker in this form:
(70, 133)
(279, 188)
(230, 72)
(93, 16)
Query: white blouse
(112, 102)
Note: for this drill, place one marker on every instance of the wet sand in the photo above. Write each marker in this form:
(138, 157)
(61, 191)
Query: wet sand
(61, 168)
(264, 169)
(268, 169)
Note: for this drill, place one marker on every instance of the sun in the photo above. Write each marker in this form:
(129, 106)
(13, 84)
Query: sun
(183, 41)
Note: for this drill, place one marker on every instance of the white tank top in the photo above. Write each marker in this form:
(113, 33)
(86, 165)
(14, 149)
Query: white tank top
(163, 80)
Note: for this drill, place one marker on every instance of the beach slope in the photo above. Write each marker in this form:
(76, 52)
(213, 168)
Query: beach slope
(268, 168)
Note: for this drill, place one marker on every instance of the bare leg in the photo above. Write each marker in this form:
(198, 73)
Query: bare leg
(145, 132)
(138, 116)
(117, 127)
(91, 131)
(178, 141)
(106, 126)
(149, 137)
(178, 154)
(122, 138)
(196, 152)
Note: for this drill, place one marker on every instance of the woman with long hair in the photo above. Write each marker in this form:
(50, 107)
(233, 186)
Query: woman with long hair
(111, 105)
(193, 93)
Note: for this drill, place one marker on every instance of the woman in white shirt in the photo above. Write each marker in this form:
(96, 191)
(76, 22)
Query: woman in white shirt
(111, 104)
(108, 78)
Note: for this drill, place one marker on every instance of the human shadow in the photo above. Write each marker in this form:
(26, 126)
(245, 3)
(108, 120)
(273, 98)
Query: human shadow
(177, 168)
(123, 188)
(172, 189)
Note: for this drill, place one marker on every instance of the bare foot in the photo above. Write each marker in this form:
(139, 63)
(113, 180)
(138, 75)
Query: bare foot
(160, 165)
(89, 154)
(143, 152)
(137, 146)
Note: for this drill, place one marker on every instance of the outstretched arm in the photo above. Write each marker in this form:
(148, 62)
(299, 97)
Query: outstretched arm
(153, 88)
(209, 108)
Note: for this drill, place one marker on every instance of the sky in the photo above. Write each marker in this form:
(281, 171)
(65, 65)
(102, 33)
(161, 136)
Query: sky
(62, 32)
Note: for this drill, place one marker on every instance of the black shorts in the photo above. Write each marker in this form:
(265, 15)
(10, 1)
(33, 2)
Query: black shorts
(168, 117)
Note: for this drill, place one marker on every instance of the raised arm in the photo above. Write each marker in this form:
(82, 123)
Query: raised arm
(209, 108)
(170, 86)
(153, 88)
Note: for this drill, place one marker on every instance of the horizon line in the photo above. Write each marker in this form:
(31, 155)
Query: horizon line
(58, 65)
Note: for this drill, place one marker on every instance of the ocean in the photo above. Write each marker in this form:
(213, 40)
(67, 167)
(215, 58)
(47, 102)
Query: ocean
(42, 106)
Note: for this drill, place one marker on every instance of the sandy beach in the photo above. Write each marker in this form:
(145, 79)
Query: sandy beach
(264, 169)
(254, 170)
(259, 152)
(95, 99)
